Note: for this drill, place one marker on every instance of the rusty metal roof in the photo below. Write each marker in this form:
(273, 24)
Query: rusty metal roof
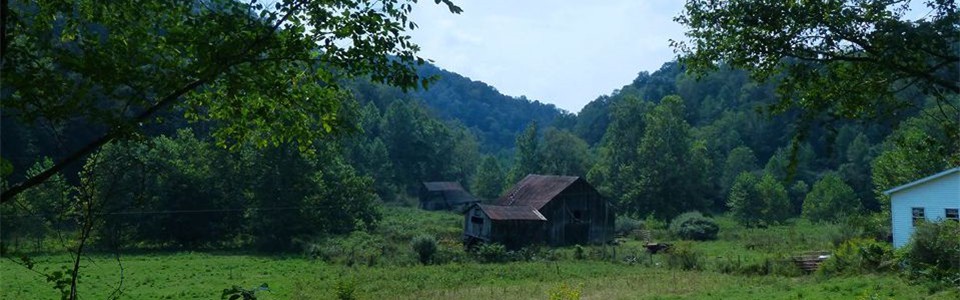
(499, 212)
(536, 190)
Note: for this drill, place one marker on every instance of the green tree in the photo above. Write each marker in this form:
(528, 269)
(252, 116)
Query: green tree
(671, 177)
(917, 149)
(796, 164)
(758, 201)
(262, 75)
(830, 200)
(744, 202)
(465, 155)
(776, 204)
(797, 192)
(489, 180)
(420, 147)
(856, 170)
(838, 57)
(164, 191)
(528, 152)
(739, 160)
(46, 207)
(564, 153)
(617, 164)
(298, 197)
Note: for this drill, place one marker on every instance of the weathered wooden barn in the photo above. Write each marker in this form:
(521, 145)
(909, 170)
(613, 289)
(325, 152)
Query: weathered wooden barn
(442, 195)
(552, 210)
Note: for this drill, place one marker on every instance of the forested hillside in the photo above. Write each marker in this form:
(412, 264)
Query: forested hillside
(670, 142)
(495, 118)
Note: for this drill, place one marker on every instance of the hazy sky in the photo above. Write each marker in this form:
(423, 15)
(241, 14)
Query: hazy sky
(561, 52)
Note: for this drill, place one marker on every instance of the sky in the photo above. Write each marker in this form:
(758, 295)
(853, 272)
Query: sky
(562, 52)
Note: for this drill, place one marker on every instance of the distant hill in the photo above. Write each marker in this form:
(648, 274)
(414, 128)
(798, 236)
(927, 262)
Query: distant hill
(494, 117)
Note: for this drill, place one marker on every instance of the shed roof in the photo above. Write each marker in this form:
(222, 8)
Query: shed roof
(536, 190)
(514, 213)
(921, 181)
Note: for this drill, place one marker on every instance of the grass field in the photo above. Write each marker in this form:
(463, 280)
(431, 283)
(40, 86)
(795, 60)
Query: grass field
(394, 274)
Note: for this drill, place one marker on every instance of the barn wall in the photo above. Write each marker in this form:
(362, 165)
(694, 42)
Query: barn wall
(515, 234)
(595, 222)
(432, 200)
(483, 231)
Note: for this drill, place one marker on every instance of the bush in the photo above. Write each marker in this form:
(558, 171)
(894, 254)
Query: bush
(578, 253)
(491, 253)
(858, 256)
(345, 289)
(934, 252)
(682, 256)
(875, 225)
(625, 225)
(359, 247)
(449, 250)
(529, 253)
(694, 226)
(425, 246)
(652, 223)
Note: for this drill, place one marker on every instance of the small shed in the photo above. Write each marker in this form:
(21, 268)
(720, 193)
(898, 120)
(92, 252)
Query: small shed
(933, 198)
(555, 210)
(444, 195)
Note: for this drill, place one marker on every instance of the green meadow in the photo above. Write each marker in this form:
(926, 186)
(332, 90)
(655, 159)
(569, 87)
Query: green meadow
(742, 264)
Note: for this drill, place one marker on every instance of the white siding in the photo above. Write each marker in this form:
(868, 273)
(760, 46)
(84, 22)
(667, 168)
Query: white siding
(933, 196)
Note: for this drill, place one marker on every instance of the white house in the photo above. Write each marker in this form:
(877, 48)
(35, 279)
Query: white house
(934, 198)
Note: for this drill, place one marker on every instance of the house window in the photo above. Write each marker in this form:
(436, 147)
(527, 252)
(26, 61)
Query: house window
(577, 215)
(476, 220)
(953, 214)
(918, 215)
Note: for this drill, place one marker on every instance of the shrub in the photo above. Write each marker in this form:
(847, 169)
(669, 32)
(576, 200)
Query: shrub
(683, 256)
(345, 289)
(875, 225)
(934, 252)
(529, 253)
(652, 223)
(491, 253)
(625, 225)
(449, 250)
(578, 252)
(425, 246)
(694, 226)
(359, 247)
(858, 256)
(237, 292)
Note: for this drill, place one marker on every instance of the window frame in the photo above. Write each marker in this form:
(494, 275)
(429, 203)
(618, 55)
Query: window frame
(956, 214)
(917, 218)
